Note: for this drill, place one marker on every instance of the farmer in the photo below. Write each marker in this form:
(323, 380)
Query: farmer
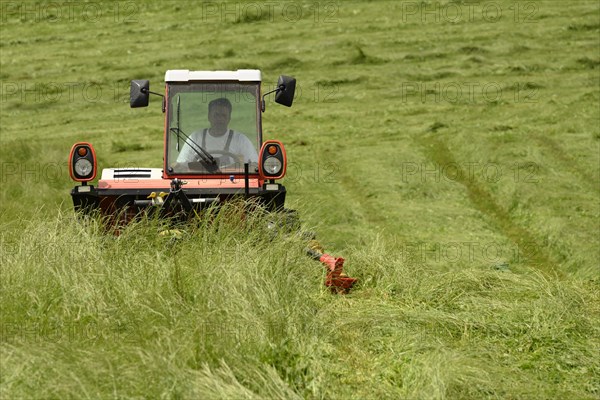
(226, 145)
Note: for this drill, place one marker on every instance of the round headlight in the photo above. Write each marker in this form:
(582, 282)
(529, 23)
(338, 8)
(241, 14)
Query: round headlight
(272, 165)
(83, 167)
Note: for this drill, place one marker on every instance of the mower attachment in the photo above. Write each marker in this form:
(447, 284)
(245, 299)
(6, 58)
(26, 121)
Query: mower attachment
(336, 279)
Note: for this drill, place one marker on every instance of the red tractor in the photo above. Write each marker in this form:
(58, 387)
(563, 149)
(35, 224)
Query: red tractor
(213, 151)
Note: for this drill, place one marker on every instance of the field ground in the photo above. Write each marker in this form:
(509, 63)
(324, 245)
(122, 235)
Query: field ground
(449, 150)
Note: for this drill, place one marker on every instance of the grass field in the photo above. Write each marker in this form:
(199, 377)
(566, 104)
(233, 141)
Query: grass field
(449, 150)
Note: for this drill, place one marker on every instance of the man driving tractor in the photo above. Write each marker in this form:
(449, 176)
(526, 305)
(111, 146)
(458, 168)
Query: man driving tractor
(234, 146)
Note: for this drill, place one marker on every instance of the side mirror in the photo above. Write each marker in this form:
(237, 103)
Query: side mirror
(139, 93)
(286, 87)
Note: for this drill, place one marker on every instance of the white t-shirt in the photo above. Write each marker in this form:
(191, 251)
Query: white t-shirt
(239, 145)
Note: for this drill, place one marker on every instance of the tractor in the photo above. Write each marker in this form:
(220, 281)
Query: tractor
(213, 152)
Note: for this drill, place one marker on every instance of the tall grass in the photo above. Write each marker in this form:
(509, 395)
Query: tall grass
(184, 305)
(225, 307)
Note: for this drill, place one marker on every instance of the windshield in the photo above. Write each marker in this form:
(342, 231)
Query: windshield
(213, 128)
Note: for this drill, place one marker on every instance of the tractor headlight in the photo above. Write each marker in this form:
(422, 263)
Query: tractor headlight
(83, 167)
(82, 162)
(272, 160)
(272, 165)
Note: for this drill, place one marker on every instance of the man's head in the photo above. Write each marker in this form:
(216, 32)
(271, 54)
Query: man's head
(219, 114)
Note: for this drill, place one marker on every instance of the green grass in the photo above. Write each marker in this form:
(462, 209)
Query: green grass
(228, 311)
(471, 221)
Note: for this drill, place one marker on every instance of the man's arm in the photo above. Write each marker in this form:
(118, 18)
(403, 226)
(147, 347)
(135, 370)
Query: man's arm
(246, 149)
(187, 154)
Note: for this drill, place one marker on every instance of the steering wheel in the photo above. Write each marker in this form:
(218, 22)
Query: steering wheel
(220, 154)
(224, 153)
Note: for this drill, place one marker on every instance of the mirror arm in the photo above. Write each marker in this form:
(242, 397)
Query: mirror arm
(164, 103)
(144, 90)
(277, 89)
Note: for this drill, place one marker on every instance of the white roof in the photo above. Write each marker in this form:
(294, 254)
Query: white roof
(185, 75)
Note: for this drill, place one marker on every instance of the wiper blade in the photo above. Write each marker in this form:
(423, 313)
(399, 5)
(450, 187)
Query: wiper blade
(202, 153)
(178, 113)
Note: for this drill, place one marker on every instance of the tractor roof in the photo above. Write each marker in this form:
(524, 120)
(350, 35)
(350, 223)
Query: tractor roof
(184, 75)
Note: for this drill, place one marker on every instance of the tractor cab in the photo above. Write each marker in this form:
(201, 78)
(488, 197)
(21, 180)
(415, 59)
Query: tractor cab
(213, 121)
(214, 148)
(212, 128)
